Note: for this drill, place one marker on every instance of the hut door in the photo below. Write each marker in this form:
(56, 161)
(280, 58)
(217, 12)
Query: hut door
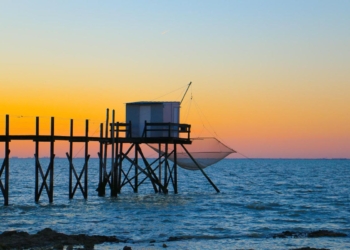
(145, 115)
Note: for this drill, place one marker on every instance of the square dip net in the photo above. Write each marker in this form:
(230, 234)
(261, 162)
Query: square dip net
(205, 150)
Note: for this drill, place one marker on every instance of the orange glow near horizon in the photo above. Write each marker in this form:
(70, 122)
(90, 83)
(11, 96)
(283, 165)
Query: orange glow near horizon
(272, 85)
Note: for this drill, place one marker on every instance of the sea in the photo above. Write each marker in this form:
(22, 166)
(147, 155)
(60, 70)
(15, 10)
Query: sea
(258, 199)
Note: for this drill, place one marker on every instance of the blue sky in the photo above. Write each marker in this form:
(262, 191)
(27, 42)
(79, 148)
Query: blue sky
(266, 72)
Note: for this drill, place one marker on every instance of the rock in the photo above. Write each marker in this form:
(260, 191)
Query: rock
(325, 233)
(309, 248)
(49, 238)
(165, 245)
(127, 248)
(286, 234)
(173, 238)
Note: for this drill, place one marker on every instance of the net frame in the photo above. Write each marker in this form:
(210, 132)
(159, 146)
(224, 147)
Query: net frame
(205, 150)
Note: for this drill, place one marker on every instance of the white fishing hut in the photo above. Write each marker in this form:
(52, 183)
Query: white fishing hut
(140, 113)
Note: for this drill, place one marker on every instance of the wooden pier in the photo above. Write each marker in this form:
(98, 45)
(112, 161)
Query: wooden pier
(129, 166)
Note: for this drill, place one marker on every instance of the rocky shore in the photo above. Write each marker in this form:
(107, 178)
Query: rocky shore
(50, 239)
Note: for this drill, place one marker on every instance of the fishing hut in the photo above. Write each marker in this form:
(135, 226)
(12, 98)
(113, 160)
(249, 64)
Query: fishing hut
(149, 123)
(122, 159)
(155, 124)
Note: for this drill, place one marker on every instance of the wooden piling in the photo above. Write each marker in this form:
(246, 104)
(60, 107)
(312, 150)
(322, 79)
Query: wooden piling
(84, 171)
(102, 176)
(119, 166)
(113, 162)
(166, 167)
(52, 156)
(87, 156)
(136, 162)
(160, 161)
(100, 173)
(70, 160)
(6, 163)
(36, 162)
(175, 168)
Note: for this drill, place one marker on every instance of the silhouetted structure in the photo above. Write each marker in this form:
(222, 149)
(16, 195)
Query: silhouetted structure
(129, 166)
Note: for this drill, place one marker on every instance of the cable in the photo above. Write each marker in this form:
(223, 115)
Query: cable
(170, 92)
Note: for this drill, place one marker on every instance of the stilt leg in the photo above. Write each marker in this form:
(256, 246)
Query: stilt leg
(206, 176)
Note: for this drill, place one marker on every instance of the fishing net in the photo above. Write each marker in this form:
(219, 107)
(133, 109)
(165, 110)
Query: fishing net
(206, 151)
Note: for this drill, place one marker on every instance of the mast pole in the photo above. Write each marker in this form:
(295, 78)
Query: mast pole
(186, 92)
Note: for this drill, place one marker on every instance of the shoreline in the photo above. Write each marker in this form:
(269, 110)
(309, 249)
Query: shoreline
(50, 239)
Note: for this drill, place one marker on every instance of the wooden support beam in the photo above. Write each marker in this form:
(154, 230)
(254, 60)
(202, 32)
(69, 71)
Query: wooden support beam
(126, 179)
(101, 189)
(119, 166)
(52, 156)
(142, 171)
(105, 149)
(102, 155)
(160, 162)
(136, 171)
(114, 187)
(148, 171)
(4, 187)
(44, 178)
(6, 164)
(196, 163)
(166, 165)
(122, 156)
(153, 177)
(83, 189)
(39, 173)
(36, 155)
(69, 156)
(87, 157)
(84, 170)
(101, 172)
(175, 169)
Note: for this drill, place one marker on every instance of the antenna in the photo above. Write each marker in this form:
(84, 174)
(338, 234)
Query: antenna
(186, 92)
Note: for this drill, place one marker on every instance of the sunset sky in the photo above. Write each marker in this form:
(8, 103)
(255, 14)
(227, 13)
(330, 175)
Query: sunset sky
(270, 79)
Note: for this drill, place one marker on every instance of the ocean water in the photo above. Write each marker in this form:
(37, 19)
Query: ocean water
(258, 198)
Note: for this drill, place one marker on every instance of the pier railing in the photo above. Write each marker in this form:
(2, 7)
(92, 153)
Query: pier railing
(170, 130)
(120, 127)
